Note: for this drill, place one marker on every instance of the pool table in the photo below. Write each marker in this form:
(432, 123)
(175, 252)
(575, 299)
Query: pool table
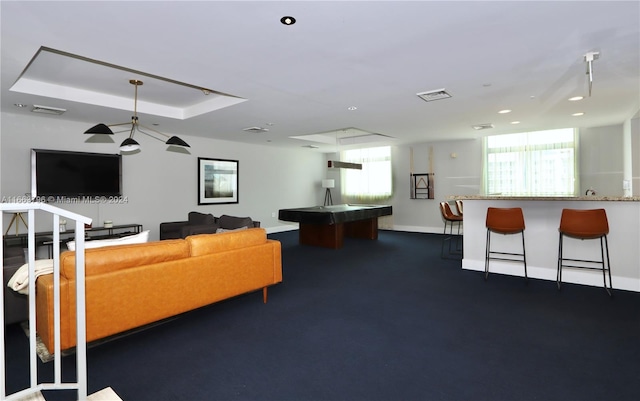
(327, 226)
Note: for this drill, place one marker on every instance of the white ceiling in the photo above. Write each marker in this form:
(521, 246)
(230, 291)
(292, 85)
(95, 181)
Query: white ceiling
(298, 80)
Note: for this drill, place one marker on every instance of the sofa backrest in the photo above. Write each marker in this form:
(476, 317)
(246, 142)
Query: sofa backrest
(103, 260)
(204, 244)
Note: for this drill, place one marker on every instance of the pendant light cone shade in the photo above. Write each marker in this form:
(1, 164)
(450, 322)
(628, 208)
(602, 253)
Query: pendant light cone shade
(174, 140)
(129, 145)
(100, 129)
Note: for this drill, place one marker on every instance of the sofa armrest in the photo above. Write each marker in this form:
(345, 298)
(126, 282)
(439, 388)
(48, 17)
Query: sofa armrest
(172, 230)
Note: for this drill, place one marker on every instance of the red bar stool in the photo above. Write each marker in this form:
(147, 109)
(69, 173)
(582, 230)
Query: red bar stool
(449, 217)
(504, 221)
(583, 225)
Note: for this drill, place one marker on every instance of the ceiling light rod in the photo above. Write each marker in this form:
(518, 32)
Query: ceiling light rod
(130, 144)
(589, 58)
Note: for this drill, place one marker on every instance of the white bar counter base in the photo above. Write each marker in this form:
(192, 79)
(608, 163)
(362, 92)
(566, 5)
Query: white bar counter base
(542, 219)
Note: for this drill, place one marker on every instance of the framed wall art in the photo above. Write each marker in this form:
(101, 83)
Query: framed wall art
(217, 181)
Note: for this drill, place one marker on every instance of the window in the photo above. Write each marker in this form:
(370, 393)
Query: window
(373, 182)
(539, 163)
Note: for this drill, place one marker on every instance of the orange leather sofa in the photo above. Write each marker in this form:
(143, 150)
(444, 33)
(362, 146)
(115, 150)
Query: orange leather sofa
(128, 286)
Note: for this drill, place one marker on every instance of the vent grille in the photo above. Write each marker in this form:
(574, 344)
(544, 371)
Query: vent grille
(256, 129)
(479, 127)
(47, 110)
(432, 95)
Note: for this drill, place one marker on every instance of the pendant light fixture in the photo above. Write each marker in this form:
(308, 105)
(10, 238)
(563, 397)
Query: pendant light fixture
(341, 164)
(130, 144)
(589, 58)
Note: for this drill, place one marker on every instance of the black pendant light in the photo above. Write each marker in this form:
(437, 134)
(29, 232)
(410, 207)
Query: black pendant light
(130, 144)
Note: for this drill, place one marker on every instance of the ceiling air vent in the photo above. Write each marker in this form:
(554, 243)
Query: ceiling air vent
(47, 110)
(256, 129)
(479, 127)
(430, 96)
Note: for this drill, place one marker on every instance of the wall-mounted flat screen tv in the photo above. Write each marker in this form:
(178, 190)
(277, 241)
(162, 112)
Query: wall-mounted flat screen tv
(72, 174)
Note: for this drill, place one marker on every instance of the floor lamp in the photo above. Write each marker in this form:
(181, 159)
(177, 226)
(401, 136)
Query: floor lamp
(328, 184)
(17, 217)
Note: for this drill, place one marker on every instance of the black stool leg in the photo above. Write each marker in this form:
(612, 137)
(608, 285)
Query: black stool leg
(486, 255)
(524, 258)
(559, 273)
(608, 267)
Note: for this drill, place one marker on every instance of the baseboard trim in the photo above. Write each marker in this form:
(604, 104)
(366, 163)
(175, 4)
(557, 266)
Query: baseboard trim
(574, 276)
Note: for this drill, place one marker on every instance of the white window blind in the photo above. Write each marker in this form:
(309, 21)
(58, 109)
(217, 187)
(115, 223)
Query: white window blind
(542, 163)
(373, 182)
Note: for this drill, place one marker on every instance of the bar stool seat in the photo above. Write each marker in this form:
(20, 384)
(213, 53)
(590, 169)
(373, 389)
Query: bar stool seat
(504, 221)
(451, 218)
(585, 224)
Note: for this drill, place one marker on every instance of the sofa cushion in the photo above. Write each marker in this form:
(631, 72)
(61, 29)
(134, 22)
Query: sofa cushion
(198, 229)
(197, 218)
(102, 260)
(139, 238)
(206, 244)
(232, 222)
(226, 230)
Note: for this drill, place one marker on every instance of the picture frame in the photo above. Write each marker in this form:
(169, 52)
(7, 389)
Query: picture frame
(217, 181)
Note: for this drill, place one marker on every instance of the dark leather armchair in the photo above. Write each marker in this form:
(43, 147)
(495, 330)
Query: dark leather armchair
(200, 223)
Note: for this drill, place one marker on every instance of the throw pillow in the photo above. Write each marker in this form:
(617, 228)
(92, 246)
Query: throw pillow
(196, 218)
(232, 222)
(139, 238)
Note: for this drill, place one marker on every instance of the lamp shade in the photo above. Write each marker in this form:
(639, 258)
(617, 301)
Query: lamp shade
(174, 140)
(100, 129)
(129, 145)
(329, 183)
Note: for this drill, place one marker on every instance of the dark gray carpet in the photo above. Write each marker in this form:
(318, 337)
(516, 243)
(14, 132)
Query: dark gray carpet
(380, 320)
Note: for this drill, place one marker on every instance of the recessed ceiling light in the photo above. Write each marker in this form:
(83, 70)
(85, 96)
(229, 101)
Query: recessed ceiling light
(578, 114)
(353, 108)
(505, 111)
(20, 105)
(287, 20)
(515, 122)
(573, 99)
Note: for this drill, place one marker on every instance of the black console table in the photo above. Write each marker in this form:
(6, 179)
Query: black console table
(45, 238)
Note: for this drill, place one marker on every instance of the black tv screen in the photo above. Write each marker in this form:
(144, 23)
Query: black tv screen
(72, 174)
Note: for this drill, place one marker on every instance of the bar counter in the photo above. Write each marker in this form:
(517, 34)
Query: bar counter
(542, 219)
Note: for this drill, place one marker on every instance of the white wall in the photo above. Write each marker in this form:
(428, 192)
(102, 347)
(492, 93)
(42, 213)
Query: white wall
(160, 185)
(600, 167)
(635, 152)
(601, 160)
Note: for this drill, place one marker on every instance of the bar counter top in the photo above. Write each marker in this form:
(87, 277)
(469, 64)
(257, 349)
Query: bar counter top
(548, 198)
